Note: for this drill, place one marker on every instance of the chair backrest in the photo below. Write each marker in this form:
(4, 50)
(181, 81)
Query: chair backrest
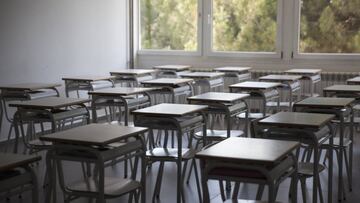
(255, 130)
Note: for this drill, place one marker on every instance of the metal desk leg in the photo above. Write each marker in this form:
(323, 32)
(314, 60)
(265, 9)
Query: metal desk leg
(179, 169)
(17, 133)
(340, 157)
(206, 196)
(51, 185)
(66, 88)
(126, 110)
(93, 109)
(315, 171)
(330, 163)
(143, 171)
(351, 148)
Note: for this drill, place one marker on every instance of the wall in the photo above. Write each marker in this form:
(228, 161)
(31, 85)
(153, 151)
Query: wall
(43, 40)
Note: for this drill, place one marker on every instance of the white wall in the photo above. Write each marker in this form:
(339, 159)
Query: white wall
(43, 40)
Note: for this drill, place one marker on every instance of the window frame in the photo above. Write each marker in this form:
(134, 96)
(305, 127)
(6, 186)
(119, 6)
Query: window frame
(296, 42)
(208, 36)
(198, 52)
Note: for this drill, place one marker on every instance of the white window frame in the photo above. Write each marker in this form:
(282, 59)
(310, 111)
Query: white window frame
(296, 46)
(208, 36)
(198, 52)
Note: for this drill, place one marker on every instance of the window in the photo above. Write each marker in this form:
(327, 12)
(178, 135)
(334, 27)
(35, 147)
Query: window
(169, 25)
(244, 25)
(329, 26)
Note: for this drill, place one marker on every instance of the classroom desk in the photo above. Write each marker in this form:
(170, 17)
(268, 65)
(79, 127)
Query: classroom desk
(9, 162)
(260, 155)
(129, 97)
(24, 91)
(87, 83)
(94, 144)
(311, 75)
(237, 74)
(353, 81)
(171, 70)
(308, 128)
(229, 104)
(352, 91)
(341, 107)
(210, 80)
(51, 109)
(181, 118)
(172, 86)
(264, 91)
(133, 77)
(289, 82)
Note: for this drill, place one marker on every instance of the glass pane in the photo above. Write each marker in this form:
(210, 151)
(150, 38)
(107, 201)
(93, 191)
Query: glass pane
(244, 25)
(169, 24)
(330, 26)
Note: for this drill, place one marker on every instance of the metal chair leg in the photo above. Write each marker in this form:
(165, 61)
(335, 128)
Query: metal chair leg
(197, 179)
(158, 182)
(303, 188)
(347, 168)
(222, 190)
(236, 190)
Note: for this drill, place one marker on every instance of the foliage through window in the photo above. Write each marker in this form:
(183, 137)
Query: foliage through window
(244, 25)
(169, 24)
(330, 26)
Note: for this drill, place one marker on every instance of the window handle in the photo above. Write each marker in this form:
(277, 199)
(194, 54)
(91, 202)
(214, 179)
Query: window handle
(209, 19)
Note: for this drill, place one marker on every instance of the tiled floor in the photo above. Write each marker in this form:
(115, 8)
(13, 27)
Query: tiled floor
(168, 191)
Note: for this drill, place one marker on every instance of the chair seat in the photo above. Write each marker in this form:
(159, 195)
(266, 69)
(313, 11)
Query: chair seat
(309, 95)
(251, 115)
(346, 143)
(307, 169)
(97, 85)
(347, 121)
(220, 133)
(114, 187)
(171, 153)
(245, 201)
(275, 104)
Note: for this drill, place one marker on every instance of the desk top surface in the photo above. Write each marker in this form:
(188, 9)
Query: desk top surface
(355, 80)
(173, 67)
(168, 81)
(343, 88)
(197, 75)
(249, 150)
(256, 85)
(10, 161)
(296, 119)
(283, 78)
(233, 69)
(94, 134)
(89, 78)
(171, 110)
(325, 102)
(49, 103)
(219, 97)
(29, 86)
(133, 72)
(304, 71)
(121, 91)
